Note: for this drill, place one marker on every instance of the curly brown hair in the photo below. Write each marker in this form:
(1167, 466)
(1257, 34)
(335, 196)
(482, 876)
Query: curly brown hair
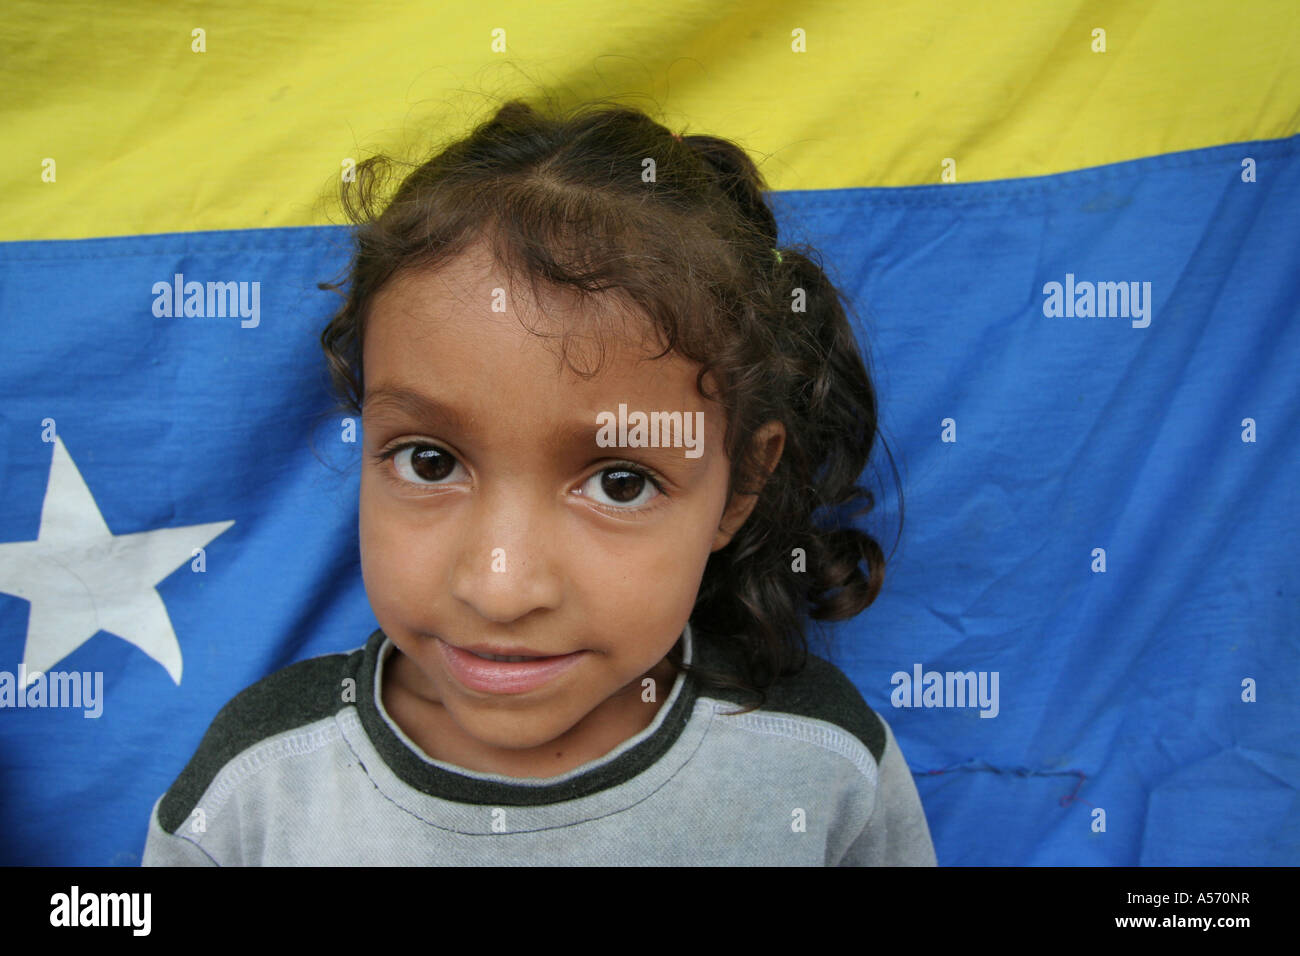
(601, 198)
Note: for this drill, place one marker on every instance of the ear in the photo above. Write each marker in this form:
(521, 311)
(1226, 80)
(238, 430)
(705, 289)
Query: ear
(769, 442)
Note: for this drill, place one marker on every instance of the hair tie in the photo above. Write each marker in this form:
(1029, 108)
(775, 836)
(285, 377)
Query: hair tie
(777, 253)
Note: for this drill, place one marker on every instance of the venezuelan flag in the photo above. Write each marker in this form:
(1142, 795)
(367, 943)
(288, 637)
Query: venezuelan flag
(1072, 231)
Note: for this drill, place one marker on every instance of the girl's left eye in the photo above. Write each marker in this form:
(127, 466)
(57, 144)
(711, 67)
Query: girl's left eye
(625, 488)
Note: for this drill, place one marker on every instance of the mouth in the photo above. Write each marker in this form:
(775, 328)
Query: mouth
(509, 654)
(505, 670)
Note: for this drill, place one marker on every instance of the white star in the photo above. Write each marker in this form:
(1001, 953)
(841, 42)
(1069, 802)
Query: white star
(81, 578)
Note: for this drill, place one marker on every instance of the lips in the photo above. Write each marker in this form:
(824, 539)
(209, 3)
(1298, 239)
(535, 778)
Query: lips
(476, 671)
(500, 650)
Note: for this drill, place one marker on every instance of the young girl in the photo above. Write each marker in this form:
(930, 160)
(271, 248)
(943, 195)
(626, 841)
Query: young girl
(608, 428)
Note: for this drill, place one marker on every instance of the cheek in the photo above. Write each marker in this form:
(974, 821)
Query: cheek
(376, 567)
(654, 580)
(392, 565)
(372, 553)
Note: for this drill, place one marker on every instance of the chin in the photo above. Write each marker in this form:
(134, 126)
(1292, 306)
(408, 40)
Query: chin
(519, 731)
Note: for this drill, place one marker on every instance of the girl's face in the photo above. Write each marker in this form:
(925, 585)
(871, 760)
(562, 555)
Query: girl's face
(491, 518)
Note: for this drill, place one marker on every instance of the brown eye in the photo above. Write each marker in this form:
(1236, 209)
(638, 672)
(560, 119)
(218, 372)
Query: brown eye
(431, 464)
(622, 486)
(423, 464)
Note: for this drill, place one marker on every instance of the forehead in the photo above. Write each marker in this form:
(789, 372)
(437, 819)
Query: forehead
(465, 331)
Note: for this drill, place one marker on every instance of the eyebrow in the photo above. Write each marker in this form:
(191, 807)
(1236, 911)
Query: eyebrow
(415, 404)
(425, 408)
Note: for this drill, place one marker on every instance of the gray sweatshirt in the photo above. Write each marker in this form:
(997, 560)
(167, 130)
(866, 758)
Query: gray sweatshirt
(294, 771)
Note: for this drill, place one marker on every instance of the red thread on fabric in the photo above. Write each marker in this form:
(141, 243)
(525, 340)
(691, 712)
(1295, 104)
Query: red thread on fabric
(1071, 798)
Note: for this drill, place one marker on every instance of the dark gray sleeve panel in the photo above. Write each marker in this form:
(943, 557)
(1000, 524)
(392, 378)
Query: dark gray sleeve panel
(820, 691)
(299, 694)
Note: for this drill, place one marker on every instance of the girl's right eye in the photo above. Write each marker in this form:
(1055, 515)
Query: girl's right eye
(421, 464)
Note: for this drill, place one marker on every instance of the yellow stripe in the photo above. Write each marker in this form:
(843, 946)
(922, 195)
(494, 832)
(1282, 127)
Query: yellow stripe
(148, 136)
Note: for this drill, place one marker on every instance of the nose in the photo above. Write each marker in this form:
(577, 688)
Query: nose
(508, 561)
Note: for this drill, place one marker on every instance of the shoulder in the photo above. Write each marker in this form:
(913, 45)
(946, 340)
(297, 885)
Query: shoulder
(821, 692)
(292, 697)
(824, 692)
